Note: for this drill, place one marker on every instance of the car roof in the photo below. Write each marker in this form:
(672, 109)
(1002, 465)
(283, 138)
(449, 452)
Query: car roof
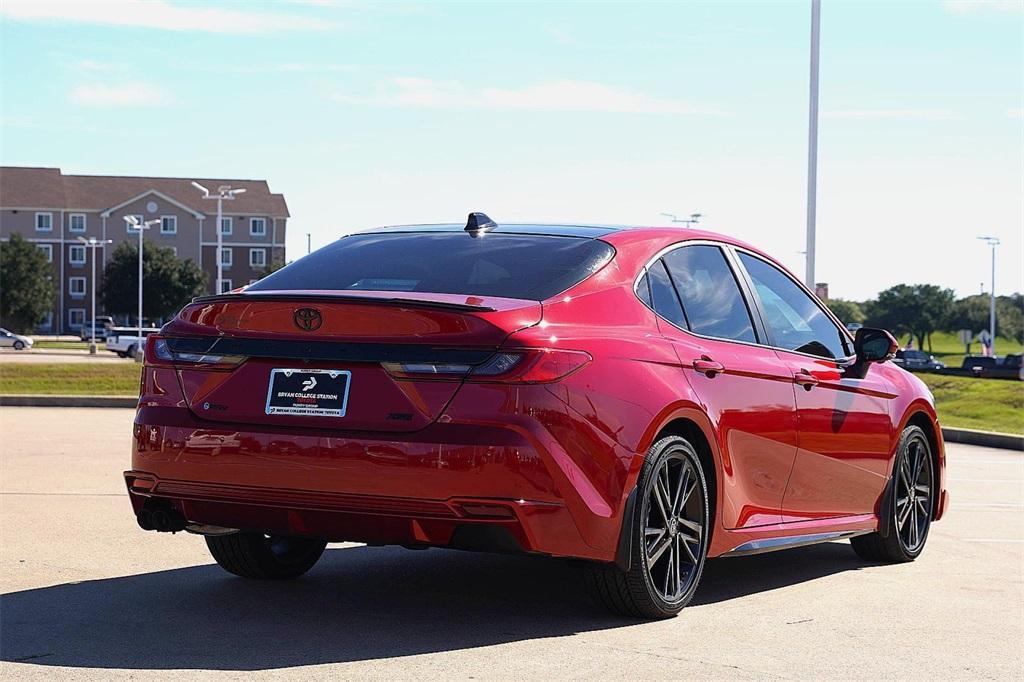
(548, 229)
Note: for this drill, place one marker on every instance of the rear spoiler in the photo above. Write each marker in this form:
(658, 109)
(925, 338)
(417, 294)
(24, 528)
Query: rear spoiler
(348, 298)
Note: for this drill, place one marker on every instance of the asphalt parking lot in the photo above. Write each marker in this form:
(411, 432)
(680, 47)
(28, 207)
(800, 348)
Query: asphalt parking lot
(86, 594)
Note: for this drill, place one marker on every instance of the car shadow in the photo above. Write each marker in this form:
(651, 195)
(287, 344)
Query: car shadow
(359, 603)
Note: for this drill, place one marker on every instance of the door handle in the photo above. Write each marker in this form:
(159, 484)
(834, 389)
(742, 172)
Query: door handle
(706, 365)
(805, 379)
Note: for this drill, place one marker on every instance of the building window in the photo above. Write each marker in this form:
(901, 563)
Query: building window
(44, 222)
(76, 317)
(130, 228)
(227, 226)
(76, 222)
(225, 256)
(226, 286)
(76, 254)
(258, 258)
(168, 224)
(48, 250)
(258, 227)
(76, 287)
(46, 323)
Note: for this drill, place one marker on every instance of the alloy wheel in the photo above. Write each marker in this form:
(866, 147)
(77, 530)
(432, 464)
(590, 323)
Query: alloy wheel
(674, 527)
(914, 495)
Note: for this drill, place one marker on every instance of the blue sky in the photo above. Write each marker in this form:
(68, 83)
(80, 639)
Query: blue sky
(377, 113)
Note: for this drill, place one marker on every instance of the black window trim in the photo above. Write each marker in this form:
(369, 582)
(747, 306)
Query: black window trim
(750, 298)
(752, 291)
(741, 284)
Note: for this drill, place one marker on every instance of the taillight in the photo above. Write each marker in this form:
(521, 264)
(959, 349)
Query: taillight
(160, 351)
(519, 366)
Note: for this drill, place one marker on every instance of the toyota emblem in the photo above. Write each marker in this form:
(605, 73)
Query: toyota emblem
(308, 319)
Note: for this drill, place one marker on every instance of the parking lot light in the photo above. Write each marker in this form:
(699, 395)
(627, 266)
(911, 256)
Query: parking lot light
(993, 242)
(140, 226)
(224, 193)
(93, 244)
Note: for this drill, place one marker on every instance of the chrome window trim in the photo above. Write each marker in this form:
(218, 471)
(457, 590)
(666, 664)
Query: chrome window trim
(727, 247)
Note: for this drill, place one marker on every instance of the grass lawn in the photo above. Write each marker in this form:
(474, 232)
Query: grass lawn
(70, 378)
(75, 345)
(986, 404)
(947, 348)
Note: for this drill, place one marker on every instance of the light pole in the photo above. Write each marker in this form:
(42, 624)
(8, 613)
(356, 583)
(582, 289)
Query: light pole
(692, 220)
(993, 242)
(93, 243)
(224, 193)
(136, 224)
(309, 243)
(812, 143)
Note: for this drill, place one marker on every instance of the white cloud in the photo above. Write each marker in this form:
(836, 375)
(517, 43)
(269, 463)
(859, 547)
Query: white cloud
(891, 114)
(552, 96)
(120, 95)
(1015, 113)
(158, 14)
(965, 6)
(286, 67)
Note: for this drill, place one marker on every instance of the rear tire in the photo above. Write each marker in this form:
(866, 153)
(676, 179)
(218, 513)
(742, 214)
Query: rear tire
(911, 504)
(668, 547)
(265, 557)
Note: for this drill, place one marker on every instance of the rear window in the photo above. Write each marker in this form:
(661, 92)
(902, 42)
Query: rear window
(532, 267)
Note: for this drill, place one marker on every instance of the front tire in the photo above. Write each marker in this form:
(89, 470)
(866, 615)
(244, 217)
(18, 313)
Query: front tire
(265, 557)
(912, 495)
(19, 345)
(670, 529)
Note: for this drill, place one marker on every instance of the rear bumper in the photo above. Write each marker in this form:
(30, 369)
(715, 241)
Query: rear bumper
(475, 486)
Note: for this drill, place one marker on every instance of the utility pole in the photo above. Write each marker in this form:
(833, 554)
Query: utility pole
(92, 243)
(136, 224)
(812, 144)
(993, 242)
(224, 193)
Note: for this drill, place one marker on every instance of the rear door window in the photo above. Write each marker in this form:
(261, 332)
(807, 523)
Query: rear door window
(711, 297)
(524, 266)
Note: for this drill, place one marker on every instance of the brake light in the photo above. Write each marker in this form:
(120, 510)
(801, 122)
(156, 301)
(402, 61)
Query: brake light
(160, 352)
(519, 366)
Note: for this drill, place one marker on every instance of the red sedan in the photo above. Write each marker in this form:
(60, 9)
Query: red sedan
(640, 398)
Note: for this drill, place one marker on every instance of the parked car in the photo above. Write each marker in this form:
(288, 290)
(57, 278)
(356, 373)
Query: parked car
(917, 360)
(975, 364)
(1007, 367)
(103, 324)
(125, 340)
(638, 398)
(15, 341)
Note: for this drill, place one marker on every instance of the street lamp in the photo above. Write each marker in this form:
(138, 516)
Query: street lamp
(94, 244)
(812, 144)
(692, 220)
(224, 193)
(993, 242)
(136, 224)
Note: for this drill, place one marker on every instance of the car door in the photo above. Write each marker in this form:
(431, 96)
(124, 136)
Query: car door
(746, 390)
(844, 424)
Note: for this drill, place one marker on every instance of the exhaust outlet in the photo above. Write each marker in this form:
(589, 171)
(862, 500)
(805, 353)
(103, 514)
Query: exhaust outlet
(160, 521)
(145, 519)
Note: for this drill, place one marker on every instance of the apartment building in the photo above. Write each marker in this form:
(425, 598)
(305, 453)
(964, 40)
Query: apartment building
(53, 210)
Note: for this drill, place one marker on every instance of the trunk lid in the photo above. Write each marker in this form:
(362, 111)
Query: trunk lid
(348, 332)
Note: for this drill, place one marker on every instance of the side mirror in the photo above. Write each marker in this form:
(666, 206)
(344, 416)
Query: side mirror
(874, 345)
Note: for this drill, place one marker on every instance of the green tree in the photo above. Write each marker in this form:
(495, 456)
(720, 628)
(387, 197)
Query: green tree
(847, 311)
(917, 310)
(168, 282)
(26, 284)
(972, 313)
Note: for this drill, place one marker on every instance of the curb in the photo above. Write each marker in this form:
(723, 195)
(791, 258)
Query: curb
(988, 439)
(68, 401)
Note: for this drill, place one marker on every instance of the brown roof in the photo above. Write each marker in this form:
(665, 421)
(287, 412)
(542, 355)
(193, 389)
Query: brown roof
(31, 187)
(48, 188)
